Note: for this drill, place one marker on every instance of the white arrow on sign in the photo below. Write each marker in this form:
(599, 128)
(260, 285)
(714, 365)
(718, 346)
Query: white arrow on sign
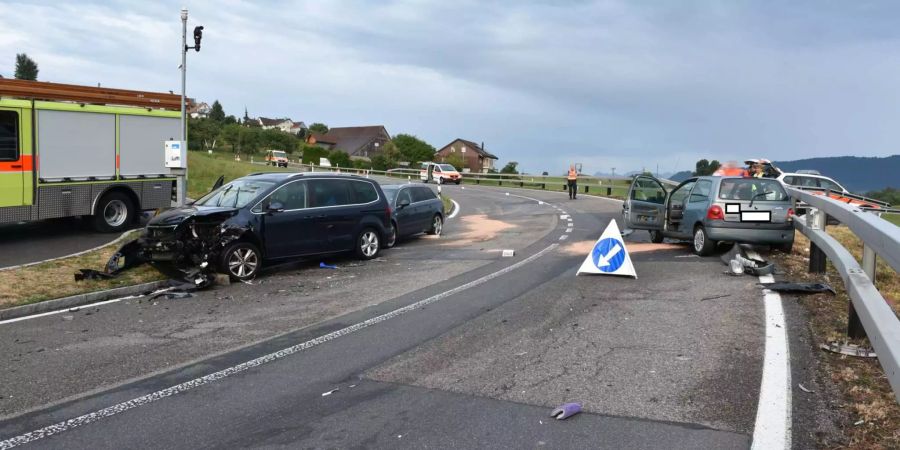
(603, 260)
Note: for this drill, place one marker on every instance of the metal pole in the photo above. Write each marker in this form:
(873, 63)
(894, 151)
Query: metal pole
(855, 329)
(182, 173)
(817, 257)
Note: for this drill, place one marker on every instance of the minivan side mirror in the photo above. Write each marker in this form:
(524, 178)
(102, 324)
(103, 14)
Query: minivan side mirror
(403, 203)
(275, 207)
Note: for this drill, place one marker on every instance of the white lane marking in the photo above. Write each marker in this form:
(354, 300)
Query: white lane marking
(76, 308)
(455, 209)
(564, 237)
(563, 216)
(85, 419)
(773, 414)
(569, 230)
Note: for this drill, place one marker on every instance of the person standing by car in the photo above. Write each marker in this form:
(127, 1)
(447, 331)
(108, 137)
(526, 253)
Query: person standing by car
(572, 179)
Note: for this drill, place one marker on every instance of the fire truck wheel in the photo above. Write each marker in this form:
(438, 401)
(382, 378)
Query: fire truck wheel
(114, 213)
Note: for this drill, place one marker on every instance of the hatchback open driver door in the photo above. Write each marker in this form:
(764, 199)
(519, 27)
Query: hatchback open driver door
(645, 207)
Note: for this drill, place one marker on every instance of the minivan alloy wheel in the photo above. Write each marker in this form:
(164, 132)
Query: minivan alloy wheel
(368, 243)
(242, 262)
(437, 225)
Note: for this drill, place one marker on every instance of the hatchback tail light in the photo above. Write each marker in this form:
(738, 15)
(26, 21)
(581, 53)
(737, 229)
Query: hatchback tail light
(715, 213)
(790, 215)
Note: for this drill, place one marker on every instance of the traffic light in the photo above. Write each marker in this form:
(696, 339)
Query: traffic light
(198, 34)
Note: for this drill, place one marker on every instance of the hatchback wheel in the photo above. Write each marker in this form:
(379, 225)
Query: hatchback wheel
(392, 236)
(437, 225)
(368, 244)
(703, 245)
(241, 261)
(656, 237)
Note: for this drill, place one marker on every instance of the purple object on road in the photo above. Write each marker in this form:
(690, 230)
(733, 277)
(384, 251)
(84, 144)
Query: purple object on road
(565, 411)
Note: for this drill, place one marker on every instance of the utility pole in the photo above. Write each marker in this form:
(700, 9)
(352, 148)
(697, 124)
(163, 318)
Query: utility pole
(181, 180)
(181, 174)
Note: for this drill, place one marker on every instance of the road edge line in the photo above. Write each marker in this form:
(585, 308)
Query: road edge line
(109, 411)
(455, 209)
(47, 307)
(772, 429)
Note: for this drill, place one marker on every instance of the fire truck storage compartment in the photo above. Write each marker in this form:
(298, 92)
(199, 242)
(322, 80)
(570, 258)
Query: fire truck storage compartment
(142, 144)
(76, 145)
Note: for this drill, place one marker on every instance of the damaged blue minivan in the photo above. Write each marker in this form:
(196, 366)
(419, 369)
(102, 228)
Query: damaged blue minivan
(268, 217)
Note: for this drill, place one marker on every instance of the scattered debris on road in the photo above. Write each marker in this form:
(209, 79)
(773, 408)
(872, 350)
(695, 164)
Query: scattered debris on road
(566, 410)
(804, 389)
(322, 265)
(738, 263)
(326, 394)
(798, 287)
(849, 350)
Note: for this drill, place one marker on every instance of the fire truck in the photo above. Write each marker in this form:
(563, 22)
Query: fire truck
(68, 150)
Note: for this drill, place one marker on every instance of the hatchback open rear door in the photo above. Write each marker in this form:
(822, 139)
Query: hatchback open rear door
(645, 206)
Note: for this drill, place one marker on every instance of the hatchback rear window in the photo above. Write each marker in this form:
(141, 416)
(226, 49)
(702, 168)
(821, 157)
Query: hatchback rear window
(421, 194)
(751, 189)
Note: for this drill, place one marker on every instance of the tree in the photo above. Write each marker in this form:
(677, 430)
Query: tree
(510, 168)
(312, 153)
(704, 167)
(203, 134)
(278, 140)
(26, 68)
(455, 160)
(319, 128)
(339, 158)
(232, 135)
(412, 149)
(216, 113)
(229, 120)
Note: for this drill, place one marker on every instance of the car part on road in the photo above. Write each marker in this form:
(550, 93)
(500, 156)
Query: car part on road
(798, 287)
(322, 265)
(849, 350)
(565, 411)
(91, 274)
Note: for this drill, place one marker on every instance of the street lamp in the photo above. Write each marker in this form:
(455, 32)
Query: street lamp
(181, 185)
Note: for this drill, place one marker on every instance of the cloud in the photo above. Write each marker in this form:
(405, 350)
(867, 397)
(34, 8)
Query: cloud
(606, 83)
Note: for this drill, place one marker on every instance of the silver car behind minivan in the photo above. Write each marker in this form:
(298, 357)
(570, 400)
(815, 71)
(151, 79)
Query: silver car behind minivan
(710, 209)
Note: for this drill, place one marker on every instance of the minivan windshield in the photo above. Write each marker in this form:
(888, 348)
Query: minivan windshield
(749, 189)
(236, 194)
(278, 154)
(446, 167)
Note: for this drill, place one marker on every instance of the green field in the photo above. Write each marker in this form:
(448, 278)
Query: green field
(893, 218)
(204, 169)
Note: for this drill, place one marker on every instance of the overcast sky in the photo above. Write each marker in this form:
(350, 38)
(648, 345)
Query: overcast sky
(608, 84)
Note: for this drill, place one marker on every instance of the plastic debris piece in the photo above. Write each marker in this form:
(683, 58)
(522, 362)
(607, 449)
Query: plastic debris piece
(804, 389)
(171, 295)
(322, 265)
(326, 394)
(849, 350)
(91, 274)
(859, 422)
(566, 410)
(509, 253)
(798, 287)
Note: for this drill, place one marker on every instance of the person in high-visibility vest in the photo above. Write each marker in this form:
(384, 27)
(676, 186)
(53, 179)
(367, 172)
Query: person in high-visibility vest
(572, 178)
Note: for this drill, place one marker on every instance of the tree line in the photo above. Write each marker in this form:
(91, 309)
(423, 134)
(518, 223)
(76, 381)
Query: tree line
(219, 131)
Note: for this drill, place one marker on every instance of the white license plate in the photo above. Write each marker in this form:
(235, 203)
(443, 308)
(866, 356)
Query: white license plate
(756, 216)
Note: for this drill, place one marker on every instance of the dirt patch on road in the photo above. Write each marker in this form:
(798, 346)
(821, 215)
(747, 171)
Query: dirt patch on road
(585, 247)
(479, 228)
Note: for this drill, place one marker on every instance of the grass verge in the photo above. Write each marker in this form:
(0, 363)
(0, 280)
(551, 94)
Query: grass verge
(206, 168)
(870, 414)
(55, 279)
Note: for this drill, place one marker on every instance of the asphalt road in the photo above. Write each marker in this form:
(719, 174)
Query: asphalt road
(481, 350)
(36, 241)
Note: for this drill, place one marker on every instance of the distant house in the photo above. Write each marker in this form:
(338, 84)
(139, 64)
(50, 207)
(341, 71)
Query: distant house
(476, 158)
(361, 142)
(299, 128)
(199, 110)
(280, 124)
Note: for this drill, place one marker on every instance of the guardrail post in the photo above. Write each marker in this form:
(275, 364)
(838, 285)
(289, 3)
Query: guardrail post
(609, 192)
(521, 184)
(817, 258)
(500, 182)
(544, 186)
(855, 329)
(586, 188)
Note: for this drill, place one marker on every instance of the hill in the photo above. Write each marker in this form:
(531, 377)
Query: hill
(858, 174)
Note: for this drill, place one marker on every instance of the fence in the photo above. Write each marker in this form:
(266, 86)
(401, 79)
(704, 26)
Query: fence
(869, 314)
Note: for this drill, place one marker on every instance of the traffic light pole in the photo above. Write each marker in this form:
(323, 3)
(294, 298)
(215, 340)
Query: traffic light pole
(181, 174)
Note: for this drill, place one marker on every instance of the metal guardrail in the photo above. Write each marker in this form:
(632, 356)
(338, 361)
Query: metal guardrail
(870, 315)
